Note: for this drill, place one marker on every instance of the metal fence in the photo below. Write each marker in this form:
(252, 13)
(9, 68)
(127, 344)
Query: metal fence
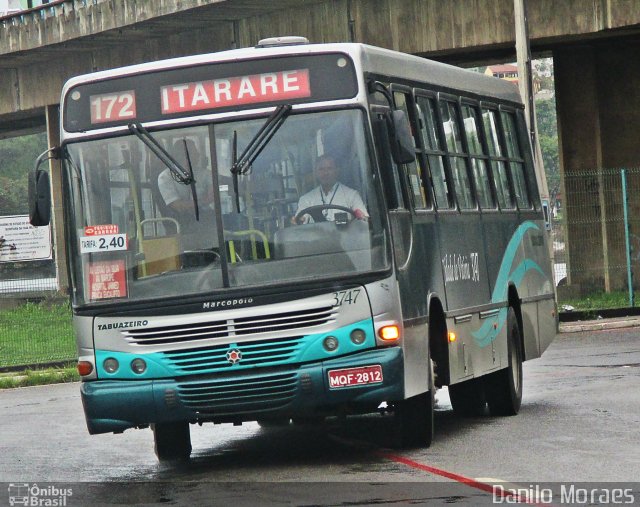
(596, 236)
(35, 319)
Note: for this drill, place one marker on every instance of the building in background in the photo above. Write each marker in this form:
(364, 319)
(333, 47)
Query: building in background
(507, 72)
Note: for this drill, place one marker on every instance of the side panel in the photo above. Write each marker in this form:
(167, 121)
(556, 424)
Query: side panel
(464, 260)
(420, 276)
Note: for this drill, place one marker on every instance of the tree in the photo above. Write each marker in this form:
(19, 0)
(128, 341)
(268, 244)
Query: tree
(548, 138)
(17, 156)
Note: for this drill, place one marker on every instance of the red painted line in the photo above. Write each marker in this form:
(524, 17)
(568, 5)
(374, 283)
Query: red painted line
(488, 488)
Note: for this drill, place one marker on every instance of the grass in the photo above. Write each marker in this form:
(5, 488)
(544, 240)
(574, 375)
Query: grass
(39, 377)
(36, 333)
(599, 301)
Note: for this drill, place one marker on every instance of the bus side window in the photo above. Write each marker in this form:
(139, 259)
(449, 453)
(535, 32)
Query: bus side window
(434, 152)
(461, 180)
(477, 157)
(497, 159)
(412, 170)
(516, 162)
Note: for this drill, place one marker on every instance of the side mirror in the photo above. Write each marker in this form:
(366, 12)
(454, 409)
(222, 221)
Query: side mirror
(39, 198)
(400, 138)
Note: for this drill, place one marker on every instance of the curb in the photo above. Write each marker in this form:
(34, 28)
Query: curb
(598, 325)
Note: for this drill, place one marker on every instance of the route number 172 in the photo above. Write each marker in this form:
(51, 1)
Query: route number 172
(113, 107)
(345, 297)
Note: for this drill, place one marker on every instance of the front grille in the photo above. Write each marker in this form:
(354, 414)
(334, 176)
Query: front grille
(238, 396)
(242, 326)
(256, 353)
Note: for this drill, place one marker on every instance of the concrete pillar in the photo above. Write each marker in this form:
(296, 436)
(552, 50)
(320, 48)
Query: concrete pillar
(598, 105)
(55, 171)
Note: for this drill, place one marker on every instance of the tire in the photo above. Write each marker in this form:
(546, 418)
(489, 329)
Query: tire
(172, 441)
(309, 420)
(468, 398)
(414, 419)
(276, 422)
(504, 387)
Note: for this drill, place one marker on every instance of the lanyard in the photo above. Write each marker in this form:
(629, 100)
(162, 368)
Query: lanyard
(334, 194)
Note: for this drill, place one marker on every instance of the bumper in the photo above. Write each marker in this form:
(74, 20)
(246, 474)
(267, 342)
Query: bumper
(116, 405)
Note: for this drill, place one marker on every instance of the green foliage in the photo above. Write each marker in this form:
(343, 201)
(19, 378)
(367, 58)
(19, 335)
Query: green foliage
(17, 156)
(36, 333)
(600, 301)
(39, 377)
(548, 138)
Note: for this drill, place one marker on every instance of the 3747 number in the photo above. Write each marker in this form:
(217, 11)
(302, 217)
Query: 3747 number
(346, 297)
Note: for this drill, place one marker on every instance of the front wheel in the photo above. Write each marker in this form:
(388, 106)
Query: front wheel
(414, 418)
(504, 387)
(172, 441)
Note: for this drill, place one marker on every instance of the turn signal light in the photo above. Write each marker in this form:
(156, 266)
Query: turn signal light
(452, 336)
(389, 333)
(84, 368)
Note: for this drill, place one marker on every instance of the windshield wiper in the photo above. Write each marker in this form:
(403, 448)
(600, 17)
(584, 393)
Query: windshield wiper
(194, 194)
(258, 142)
(242, 164)
(180, 173)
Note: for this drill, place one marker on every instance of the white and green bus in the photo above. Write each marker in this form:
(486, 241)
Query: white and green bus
(231, 308)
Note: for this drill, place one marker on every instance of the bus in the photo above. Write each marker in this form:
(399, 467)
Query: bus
(242, 306)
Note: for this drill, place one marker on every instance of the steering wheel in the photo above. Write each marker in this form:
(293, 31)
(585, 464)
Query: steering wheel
(208, 256)
(318, 216)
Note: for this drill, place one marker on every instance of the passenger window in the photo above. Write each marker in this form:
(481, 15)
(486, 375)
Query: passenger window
(412, 170)
(461, 181)
(496, 160)
(450, 125)
(434, 151)
(478, 158)
(515, 160)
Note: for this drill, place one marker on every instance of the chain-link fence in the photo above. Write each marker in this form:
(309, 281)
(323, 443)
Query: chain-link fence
(596, 237)
(35, 319)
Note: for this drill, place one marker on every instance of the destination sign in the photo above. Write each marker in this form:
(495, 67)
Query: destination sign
(212, 87)
(291, 84)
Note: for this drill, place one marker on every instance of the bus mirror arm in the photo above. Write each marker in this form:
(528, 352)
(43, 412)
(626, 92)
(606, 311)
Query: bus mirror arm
(39, 190)
(402, 147)
(400, 138)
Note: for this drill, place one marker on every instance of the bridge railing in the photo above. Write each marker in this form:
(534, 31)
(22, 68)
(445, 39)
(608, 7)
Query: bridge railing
(52, 9)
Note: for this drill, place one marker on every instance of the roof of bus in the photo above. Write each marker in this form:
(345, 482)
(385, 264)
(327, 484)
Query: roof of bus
(372, 59)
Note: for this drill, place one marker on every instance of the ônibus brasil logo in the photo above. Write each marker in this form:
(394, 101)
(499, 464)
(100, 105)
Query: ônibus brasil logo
(34, 495)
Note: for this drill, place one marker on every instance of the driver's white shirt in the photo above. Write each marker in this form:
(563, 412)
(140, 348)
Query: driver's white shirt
(338, 195)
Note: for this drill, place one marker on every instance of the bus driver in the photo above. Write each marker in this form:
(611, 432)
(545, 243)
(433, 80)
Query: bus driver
(330, 192)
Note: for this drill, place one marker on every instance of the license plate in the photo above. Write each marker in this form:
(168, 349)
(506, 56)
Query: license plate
(355, 376)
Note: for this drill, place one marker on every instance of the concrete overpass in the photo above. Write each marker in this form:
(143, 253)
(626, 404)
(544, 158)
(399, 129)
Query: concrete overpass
(594, 44)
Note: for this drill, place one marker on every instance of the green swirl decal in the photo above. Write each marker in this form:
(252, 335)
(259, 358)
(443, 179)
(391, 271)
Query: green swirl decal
(507, 274)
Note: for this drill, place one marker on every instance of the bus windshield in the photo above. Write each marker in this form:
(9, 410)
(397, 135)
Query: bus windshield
(305, 208)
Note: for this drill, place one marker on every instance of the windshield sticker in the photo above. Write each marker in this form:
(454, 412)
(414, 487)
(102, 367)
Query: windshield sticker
(98, 230)
(232, 91)
(103, 243)
(107, 280)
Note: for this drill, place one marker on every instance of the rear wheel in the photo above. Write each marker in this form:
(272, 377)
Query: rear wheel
(274, 422)
(414, 418)
(172, 440)
(468, 398)
(504, 387)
